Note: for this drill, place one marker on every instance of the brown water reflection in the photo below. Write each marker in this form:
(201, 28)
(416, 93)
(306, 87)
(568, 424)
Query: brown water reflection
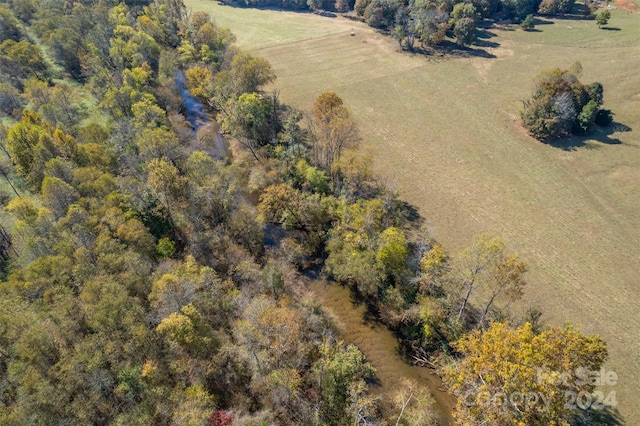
(379, 345)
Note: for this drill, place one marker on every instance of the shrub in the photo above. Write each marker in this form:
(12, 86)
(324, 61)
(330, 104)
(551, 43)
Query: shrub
(602, 18)
(528, 23)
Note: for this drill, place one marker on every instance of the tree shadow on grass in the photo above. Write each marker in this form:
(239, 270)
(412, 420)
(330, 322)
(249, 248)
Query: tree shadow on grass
(483, 33)
(574, 17)
(448, 49)
(483, 37)
(486, 44)
(605, 416)
(410, 212)
(539, 21)
(604, 135)
(453, 49)
(238, 5)
(610, 28)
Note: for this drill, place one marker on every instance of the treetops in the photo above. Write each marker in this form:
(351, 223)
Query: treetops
(561, 105)
(141, 291)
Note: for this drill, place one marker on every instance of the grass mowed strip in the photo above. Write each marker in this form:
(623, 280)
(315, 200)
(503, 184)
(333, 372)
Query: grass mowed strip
(446, 131)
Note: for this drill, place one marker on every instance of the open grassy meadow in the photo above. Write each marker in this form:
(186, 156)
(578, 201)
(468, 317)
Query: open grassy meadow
(445, 130)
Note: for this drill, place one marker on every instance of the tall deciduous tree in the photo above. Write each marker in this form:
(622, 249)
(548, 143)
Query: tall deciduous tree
(430, 22)
(166, 183)
(335, 130)
(484, 271)
(9, 25)
(502, 368)
(22, 59)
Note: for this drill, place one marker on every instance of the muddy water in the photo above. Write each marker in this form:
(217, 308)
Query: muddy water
(379, 345)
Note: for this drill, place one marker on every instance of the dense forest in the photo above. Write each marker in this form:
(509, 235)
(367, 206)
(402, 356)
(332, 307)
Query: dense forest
(154, 275)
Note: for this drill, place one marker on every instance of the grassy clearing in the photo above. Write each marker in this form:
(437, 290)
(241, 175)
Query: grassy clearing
(446, 131)
(263, 28)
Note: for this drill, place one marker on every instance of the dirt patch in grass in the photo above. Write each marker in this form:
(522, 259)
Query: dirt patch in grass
(627, 5)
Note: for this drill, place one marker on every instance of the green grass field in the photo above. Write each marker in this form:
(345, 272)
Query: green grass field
(445, 131)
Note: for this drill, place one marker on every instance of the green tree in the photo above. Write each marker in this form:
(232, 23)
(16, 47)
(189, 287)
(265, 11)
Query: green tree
(519, 9)
(558, 99)
(68, 48)
(596, 92)
(167, 184)
(360, 6)
(350, 264)
(528, 23)
(165, 247)
(430, 22)
(587, 116)
(393, 250)
(9, 25)
(22, 142)
(313, 177)
(602, 17)
(22, 59)
(131, 48)
(338, 370)
(465, 31)
(463, 10)
(250, 73)
(381, 13)
(187, 329)
(250, 120)
(206, 42)
(316, 5)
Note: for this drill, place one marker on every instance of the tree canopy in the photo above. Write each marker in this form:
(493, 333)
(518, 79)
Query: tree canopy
(150, 275)
(561, 105)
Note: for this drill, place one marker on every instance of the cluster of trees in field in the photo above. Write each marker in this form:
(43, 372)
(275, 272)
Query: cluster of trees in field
(429, 22)
(152, 282)
(561, 105)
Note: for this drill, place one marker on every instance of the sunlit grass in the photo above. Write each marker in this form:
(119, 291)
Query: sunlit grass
(445, 131)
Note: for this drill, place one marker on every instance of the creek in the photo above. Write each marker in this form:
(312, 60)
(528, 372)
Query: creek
(376, 342)
(199, 118)
(379, 345)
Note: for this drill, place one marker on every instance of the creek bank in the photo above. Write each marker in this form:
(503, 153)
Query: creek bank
(201, 120)
(379, 345)
(376, 341)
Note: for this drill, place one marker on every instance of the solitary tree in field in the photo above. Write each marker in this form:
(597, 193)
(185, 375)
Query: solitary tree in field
(602, 18)
(528, 23)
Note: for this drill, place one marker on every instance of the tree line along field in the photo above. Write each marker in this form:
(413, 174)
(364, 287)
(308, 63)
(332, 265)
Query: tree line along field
(445, 130)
